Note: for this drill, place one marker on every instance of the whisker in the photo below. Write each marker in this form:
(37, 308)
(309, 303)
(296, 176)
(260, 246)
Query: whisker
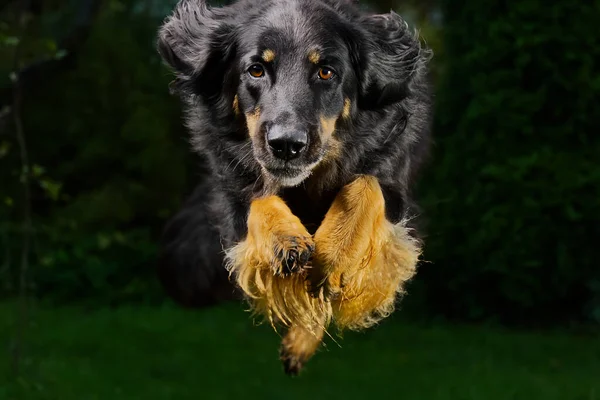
(247, 144)
(243, 159)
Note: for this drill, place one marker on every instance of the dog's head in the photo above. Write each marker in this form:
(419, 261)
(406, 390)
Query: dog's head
(295, 72)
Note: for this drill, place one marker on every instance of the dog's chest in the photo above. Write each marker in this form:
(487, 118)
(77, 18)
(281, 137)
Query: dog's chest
(311, 209)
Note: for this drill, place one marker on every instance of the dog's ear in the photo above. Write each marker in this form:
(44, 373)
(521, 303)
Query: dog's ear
(197, 43)
(392, 59)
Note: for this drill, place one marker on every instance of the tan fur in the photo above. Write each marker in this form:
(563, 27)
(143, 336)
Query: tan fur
(314, 56)
(360, 264)
(273, 231)
(327, 127)
(252, 119)
(236, 105)
(324, 174)
(347, 108)
(299, 345)
(362, 259)
(369, 295)
(268, 55)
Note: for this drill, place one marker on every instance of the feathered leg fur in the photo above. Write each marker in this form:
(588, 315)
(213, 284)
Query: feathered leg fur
(359, 266)
(362, 260)
(271, 264)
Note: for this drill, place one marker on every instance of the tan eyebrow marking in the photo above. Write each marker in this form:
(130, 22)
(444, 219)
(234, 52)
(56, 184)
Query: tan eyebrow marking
(314, 56)
(268, 55)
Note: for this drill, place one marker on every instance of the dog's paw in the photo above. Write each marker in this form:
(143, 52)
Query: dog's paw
(277, 238)
(292, 365)
(292, 254)
(291, 360)
(299, 345)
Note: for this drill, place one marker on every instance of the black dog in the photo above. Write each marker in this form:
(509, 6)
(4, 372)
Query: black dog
(313, 118)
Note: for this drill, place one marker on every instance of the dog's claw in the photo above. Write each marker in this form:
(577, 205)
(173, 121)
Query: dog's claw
(289, 263)
(305, 256)
(294, 256)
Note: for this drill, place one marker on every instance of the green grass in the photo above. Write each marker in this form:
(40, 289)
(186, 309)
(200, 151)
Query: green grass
(145, 353)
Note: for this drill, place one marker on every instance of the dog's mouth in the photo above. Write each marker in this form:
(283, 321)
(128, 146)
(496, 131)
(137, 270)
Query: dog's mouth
(288, 176)
(291, 172)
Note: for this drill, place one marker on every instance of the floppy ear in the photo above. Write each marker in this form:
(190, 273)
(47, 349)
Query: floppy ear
(393, 60)
(197, 43)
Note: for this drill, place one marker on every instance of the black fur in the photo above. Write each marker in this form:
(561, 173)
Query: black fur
(380, 67)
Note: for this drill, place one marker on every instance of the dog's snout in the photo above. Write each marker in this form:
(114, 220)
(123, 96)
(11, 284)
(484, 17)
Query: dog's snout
(286, 144)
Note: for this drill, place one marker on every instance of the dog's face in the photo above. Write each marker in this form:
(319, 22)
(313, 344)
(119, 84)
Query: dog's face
(293, 71)
(292, 92)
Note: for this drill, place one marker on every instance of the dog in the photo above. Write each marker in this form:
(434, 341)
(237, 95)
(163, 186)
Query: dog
(313, 121)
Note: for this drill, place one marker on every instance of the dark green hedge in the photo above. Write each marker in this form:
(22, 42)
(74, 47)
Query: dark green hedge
(111, 163)
(512, 195)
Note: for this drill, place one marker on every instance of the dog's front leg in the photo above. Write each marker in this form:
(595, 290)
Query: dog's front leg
(361, 260)
(276, 239)
(270, 265)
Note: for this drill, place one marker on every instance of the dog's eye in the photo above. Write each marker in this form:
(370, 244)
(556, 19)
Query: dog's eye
(325, 73)
(256, 71)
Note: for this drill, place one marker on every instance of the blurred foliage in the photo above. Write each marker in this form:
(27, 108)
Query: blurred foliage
(110, 158)
(513, 194)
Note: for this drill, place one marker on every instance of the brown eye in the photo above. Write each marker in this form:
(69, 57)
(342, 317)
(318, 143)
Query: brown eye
(256, 71)
(325, 73)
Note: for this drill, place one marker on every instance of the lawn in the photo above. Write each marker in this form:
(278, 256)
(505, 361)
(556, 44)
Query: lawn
(166, 353)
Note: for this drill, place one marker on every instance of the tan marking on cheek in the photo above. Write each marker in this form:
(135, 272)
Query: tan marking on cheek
(314, 56)
(236, 105)
(252, 121)
(335, 150)
(347, 108)
(327, 127)
(268, 55)
(328, 124)
(325, 173)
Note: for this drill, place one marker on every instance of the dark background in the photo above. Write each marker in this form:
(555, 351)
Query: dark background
(94, 158)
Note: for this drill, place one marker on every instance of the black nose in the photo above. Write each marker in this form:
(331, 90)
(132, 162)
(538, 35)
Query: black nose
(286, 144)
